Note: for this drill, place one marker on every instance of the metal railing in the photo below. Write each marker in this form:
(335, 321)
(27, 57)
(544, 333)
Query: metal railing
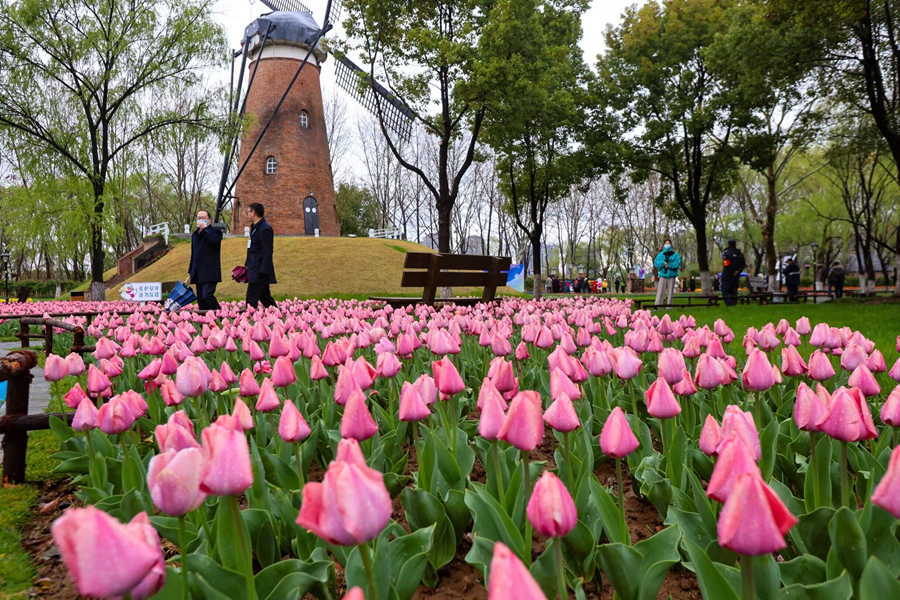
(388, 234)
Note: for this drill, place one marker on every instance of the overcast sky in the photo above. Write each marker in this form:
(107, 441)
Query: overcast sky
(235, 15)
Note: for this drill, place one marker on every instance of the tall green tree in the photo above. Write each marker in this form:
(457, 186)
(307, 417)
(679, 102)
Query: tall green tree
(757, 57)
(80, 78)
(531, 62)
(424, 52)
(662, 109)
(358, 210)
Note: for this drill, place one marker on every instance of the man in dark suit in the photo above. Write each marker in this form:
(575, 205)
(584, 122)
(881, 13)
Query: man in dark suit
(260, 268)
(205, 269)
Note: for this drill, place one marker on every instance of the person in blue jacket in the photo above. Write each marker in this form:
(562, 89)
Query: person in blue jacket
(205, 267)
(260, 249)
(667, 263)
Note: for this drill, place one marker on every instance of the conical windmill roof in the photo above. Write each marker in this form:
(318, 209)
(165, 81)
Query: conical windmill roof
(291, 27)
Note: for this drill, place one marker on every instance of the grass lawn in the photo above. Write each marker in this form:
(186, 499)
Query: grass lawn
(16, 503)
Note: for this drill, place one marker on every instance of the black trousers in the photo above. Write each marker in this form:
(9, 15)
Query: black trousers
(729, 291)
(259, 292)
(792, 292)
(839, 290)
(206, 296)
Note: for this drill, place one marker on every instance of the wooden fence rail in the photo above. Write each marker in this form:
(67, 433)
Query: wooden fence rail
(48, 326)
(15, 369)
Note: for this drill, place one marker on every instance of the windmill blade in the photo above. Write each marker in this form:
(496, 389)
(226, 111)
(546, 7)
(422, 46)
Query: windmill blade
(334, 14)
(357, 82)
(286, 5)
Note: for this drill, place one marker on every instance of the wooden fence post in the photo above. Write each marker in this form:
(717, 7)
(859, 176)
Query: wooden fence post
(16, 369)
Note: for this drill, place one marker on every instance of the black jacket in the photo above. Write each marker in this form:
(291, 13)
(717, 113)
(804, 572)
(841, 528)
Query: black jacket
(791, 274)
(260, 268)
(206, 264)
(732, 262)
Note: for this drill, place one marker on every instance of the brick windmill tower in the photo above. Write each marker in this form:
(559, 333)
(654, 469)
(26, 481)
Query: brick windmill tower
(284, 160)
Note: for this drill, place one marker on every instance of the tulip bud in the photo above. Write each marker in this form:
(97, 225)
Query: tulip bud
(757, 375)
(412, 407)
(887, 492)
(268, 398)
(523, 427)
(551, 510)
(357, 422)
(661, 402)
(741, 423)
(710, 436)
(292, 427)
(848, 418)
(446, 377)
(74, 396)
(753, 520)
(283, 373)
(616, 439)
(85, 417)
(820, 368)
(230, 471)
(671, 365)
(492, 417)
(561, 415)
(509, 579)
(173, 479)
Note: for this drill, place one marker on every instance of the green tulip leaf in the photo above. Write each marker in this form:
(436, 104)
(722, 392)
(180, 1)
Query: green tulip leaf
(286, 578)
(848, 542)
(713, 583)
(409, 556)
(424, 510)
(877, 582)
(226, 581)
(839, 588)
(803, 570)
(610, 514)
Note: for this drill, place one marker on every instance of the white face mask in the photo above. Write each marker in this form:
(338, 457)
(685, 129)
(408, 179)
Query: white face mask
(667, 246)
(201, 222)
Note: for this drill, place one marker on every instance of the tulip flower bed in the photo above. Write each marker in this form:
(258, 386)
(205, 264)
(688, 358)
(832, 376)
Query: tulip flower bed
(332, 448)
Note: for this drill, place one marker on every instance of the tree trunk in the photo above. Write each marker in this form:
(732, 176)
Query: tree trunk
(98, 290)
(444, 210)
(768, 229)
(706, 288)
(538, 287)
(897, 265)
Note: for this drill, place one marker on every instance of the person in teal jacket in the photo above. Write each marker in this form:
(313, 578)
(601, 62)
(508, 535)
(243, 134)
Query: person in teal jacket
(667, 263)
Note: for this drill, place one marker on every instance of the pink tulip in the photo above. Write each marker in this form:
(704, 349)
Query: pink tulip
(412, 407)
(75, 364)
(853, 356)
(686, 386)
(561, 415)
(802, 326)
(168, 366)
(387, 365)
(283, 373)
(863, 379)
(820, 335)
(502, 376)
(355, 593)
(97, 382)
(351, 505)
(74, 396)
(317, 369)
(170, 394)
(105, 558)
(115, 416)
(363, 372)
(345, 386)
(446, 377)
(278, 347)
(216, 383)
(734, 459)
(753, 520)
(173, 478)
(551, 509)
(268, 398)
(292, 427)
(85, 417)
(890, 410)
(560, 385)
(792, 364)
(227, 374)
(757, 375)
(710, 436)
(177, 434)
(230, 471)
(616, 439)
(262, 366)
(848, 418)
(625, 363)
(248, 385)
(894, 373)
(809, 409)
(55, 368)
(488, 389)
(425, 385)
(709, 373)
(492, 416)
(876, 362)
(820, 368)
(241, 413)
(523, 427)
(741, 424)
(510, 579)
(357, 422)
(887, 492)
(671, 365)
(661, 402)
(192, 377)
(522, 351)
(596, 362)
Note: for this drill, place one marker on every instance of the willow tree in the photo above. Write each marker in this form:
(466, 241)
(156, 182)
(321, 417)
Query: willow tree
(662, 109)
(82, 80)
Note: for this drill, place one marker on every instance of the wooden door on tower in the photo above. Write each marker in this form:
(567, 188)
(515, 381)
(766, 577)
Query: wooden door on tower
(311, 215)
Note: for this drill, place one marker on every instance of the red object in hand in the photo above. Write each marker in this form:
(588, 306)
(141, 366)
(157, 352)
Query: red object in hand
(239, 274)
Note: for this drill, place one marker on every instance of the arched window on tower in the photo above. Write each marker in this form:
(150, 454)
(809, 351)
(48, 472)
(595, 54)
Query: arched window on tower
(271, 164)
(304, 119)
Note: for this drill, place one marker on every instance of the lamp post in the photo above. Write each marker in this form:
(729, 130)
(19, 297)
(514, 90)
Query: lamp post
(4, 258)
(814, 246)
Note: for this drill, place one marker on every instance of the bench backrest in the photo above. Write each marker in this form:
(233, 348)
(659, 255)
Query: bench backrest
(757, 284)
(431, 271)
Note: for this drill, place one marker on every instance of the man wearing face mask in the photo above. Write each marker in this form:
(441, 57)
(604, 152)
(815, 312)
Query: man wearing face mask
(667, 263)
(205, 270)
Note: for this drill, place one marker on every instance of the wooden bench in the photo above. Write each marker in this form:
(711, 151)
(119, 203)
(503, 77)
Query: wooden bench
(432, 271)
(679, 302)
(758, 291)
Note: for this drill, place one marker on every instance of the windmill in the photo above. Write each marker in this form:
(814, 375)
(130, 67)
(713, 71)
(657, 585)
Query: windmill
(283, 160)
